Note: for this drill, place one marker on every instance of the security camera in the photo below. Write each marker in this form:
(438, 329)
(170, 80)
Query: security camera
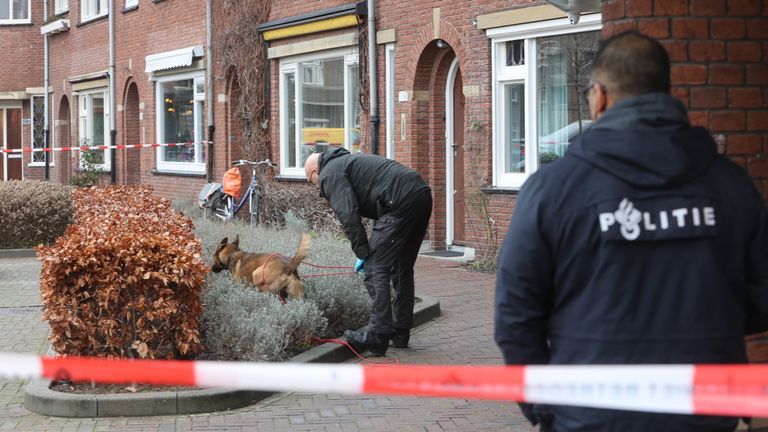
(573, 18)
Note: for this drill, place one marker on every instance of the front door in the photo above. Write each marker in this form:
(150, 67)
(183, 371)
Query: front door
(454, 137)
(10, 136)
(458, 160)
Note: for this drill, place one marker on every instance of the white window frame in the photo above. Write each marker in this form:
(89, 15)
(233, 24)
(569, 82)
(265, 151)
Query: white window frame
(61, 6)
(389, 88)
(197, 167)
(85, 124)
(32, 134)
(12, 20)
(92, 9)
(502, 75)
(291, 66)
(131, 3)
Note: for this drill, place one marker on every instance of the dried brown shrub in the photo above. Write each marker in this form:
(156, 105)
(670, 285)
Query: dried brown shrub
(125, 279)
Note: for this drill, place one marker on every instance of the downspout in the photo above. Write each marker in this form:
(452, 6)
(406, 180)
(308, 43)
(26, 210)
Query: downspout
(372, 79)
(112, 110)
(46, 139)
(209, 91)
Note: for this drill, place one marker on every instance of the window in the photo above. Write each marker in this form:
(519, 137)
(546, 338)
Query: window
(14, 11)
(539, 74)
(91, 9)
(319, 106)
(131, 3)
(180, 119)
(38, 131)
(62, 6)
(94, 127)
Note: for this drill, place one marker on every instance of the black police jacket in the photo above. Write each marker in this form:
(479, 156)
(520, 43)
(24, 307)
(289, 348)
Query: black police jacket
(363, 185)
(639, 246)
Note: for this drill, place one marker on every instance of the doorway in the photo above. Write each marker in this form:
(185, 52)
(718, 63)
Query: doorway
(454, 139)
(10, 138)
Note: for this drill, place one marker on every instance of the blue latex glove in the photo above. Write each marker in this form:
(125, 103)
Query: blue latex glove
(359, 266)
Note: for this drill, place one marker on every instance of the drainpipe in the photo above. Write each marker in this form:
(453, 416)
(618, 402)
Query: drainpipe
(372, 79)
(112, 110)
(209, 91)
(46, 139)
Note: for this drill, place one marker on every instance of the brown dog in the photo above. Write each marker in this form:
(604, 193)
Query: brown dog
(267, 271)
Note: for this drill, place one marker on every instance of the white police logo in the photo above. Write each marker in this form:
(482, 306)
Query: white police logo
(660, 222)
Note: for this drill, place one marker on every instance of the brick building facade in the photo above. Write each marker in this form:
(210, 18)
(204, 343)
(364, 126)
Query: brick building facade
(475, 96)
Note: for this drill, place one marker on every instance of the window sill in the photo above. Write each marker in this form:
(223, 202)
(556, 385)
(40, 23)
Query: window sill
(167, 173)
(92, 20)
(39, 164)
(496, 190)
(61, 13)
(16, 23)
(130, 8)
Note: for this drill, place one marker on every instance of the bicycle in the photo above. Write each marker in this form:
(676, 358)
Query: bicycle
(225, 206)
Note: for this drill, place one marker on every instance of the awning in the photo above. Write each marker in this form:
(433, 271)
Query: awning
(333, 18)
(60, 25)
(172, 59)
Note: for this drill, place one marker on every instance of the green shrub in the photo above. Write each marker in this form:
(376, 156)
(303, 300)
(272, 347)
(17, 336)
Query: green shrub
(242, 323)
(33, 212)
(89, 173)
(231, 312)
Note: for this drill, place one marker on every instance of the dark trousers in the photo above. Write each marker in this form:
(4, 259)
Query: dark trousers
(393, 247)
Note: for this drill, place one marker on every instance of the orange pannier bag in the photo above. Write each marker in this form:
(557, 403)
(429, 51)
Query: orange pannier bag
(232, 181)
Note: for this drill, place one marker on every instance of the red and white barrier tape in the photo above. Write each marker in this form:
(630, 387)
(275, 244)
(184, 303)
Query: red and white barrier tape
(101, 147)
(734, 390)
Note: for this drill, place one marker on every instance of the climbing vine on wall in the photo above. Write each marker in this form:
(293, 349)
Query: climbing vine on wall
(239, 51)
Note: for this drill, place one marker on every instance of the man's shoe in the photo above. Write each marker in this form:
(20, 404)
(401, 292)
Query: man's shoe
(376, 343)
(400, 338)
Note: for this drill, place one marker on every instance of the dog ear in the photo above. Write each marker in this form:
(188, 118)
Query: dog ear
(237, 241)
(224, 240)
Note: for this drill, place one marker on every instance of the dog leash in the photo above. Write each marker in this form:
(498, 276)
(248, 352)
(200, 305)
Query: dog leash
(327, 267)
(392, 361)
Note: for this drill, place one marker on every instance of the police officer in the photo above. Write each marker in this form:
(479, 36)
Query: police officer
(640, 245)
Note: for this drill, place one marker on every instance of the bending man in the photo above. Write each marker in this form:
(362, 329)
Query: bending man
(400, 203)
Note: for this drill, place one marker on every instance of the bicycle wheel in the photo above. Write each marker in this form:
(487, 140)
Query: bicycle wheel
(225, 210)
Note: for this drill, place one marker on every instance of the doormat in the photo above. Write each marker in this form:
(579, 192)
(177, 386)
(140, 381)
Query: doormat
(443, 254)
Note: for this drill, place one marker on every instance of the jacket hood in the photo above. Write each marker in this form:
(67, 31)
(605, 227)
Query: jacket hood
(329, 155)
(646, 142)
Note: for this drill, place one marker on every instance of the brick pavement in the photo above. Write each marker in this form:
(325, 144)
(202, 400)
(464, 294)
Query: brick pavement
(461, 335)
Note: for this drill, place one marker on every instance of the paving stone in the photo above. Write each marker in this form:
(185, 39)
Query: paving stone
(461, 335)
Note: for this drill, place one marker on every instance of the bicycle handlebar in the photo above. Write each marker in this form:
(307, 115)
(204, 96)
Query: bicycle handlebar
(247, 162)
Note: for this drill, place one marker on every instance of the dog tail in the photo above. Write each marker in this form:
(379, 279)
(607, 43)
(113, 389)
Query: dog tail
(301, 253)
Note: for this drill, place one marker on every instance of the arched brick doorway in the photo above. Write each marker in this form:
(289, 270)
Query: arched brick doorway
(131, 166)
(62, 138)
(437, 126)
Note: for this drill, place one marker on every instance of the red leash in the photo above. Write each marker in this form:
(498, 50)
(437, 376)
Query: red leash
(327, 274)
(327, 267)
(392, 361)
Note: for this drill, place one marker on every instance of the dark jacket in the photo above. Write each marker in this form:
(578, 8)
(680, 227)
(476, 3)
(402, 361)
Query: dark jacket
(363, 185)
(641, 245)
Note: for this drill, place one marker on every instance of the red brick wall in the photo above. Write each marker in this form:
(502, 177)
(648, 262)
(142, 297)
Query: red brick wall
(719, 51)
(22, 50)
(150, 29)
(421, 68)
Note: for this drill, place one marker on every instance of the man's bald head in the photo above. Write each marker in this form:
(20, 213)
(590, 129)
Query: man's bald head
(312, 168)
(631, 64)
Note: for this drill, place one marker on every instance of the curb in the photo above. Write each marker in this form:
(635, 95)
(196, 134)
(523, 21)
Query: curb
(40, 399)
(17, 253)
